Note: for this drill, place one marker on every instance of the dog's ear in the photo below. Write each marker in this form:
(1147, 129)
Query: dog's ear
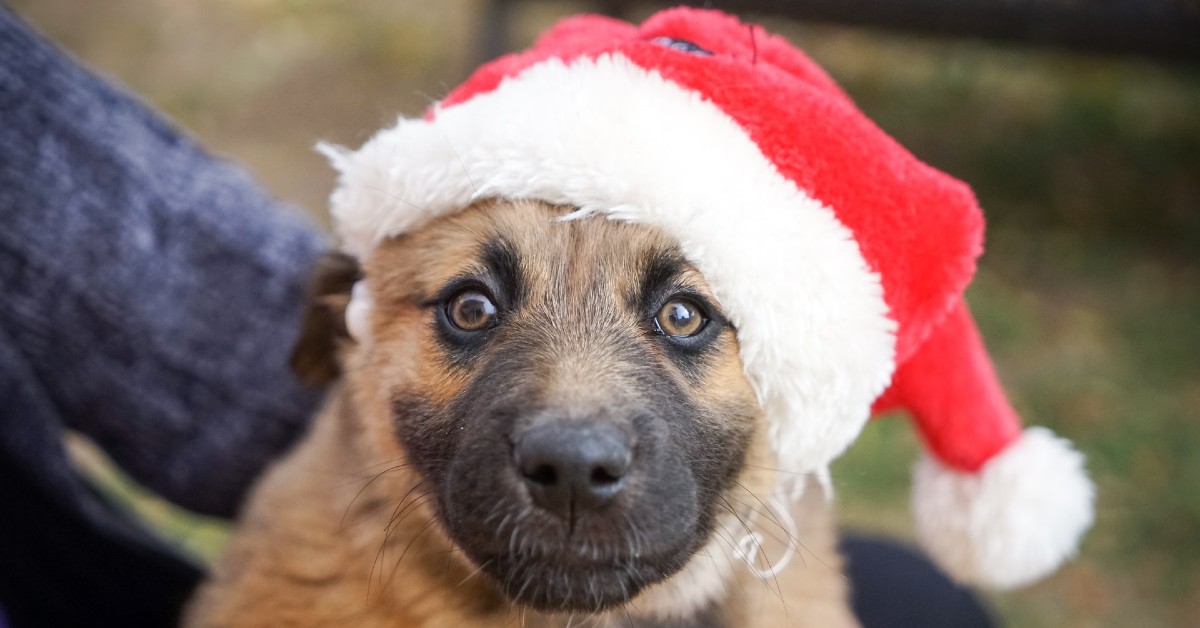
(315, 358)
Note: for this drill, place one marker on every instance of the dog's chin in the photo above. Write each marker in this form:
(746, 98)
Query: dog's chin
(568, 586)
(594, 569)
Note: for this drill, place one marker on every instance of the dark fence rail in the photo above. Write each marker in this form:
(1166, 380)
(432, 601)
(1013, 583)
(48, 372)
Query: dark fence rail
(1166, 29)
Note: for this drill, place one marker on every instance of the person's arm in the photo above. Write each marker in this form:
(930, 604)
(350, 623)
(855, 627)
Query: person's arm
(154, 290)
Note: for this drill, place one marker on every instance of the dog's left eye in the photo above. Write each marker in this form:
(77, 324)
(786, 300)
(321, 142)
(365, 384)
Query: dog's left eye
(680, 318)
(471, 310)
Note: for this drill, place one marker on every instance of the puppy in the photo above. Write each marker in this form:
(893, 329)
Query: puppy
(541, 422)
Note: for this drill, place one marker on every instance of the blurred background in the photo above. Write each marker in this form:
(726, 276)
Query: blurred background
(1087, 164)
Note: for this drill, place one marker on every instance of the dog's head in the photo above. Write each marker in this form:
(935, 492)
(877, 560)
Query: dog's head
(570, 391)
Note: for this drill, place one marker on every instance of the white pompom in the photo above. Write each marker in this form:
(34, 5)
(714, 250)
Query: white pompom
(1012, 522)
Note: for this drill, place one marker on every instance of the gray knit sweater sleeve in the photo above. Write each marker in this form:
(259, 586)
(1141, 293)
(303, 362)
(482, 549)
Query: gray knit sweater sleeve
(152, 291)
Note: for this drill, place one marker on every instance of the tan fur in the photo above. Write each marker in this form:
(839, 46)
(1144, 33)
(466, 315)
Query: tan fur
(342, 532)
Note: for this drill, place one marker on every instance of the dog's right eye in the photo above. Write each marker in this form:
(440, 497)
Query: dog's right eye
(680, 318)
(471, 310)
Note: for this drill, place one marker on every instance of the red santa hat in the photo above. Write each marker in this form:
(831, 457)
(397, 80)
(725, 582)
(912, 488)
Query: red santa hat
(840, 258)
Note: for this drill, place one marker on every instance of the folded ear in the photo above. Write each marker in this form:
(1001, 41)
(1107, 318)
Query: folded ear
(315, 359)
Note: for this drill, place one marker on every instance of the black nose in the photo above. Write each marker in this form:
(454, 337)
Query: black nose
(573, 466)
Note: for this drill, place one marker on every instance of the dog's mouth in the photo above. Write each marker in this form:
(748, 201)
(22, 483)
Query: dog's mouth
(578, 576)
(602, 561)
(579, 514)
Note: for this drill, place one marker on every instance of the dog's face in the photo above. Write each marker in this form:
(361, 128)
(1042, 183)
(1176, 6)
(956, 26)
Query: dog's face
(570, 392)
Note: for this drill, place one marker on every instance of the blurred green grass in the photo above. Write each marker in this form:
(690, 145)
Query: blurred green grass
(1088, 168)
(199, 537)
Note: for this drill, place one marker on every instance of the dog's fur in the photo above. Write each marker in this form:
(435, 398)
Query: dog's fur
(404, 507)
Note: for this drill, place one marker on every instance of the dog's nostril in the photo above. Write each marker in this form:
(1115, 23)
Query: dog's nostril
(569, 466)
(602, 475)
(544, 475)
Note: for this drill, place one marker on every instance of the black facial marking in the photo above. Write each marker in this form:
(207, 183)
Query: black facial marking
(430, 443)
(659, 277)
(504, 264)
(590, 563)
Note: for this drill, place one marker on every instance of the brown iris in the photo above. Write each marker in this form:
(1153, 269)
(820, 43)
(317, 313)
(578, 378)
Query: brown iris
(680, 318)
(471, 310)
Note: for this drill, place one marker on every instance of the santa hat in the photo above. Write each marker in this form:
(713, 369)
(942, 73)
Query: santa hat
(840, 258)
